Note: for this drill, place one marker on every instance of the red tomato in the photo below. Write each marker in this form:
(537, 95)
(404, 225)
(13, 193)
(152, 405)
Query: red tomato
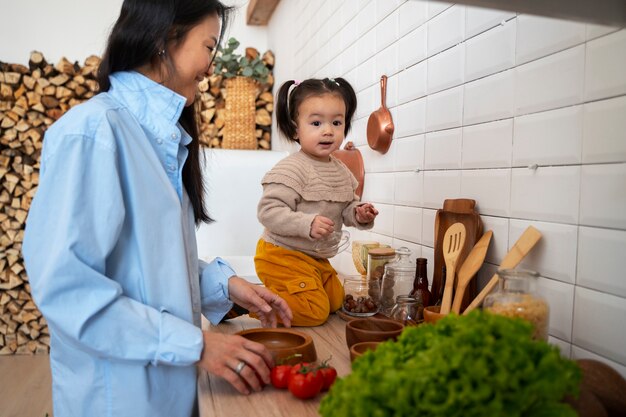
(329, 374)
(280, 376)
(306, 383)
(296, 368)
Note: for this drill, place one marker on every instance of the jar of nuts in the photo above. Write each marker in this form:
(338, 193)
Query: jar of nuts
(361, 296)
(516, 297)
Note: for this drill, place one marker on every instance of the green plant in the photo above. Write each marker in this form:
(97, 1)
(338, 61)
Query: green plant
(230, 64)
(477, 365)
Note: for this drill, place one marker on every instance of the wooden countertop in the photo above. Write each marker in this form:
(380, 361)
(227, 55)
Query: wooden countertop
(216, 397)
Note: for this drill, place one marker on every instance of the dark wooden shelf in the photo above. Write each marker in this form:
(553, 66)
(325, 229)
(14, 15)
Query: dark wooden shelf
(260, 11)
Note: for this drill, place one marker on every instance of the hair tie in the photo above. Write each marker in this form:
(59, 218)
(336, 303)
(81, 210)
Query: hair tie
(296, 82)
(332, 80)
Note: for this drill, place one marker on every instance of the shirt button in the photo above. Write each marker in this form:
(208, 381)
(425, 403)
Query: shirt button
(172, 168)
(174, 137)
(302, 285)
(160, 141)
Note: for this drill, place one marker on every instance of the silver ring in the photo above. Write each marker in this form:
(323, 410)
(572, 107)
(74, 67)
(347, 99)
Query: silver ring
(240, 367)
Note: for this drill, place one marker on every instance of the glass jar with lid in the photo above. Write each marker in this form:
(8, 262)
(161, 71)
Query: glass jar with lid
(397, 280)
(516, 297)
(407, 310)
(377, 258)
(361, 297)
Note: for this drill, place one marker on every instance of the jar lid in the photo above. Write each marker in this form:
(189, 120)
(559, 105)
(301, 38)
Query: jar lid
(382, 252)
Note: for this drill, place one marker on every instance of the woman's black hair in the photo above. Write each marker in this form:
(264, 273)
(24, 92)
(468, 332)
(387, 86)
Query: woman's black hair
(292, 94)
(139, 36)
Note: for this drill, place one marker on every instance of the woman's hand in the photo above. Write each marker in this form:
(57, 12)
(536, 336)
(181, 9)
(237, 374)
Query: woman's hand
(223, 353)
(366, 213)
(321, 227)
(260, 301)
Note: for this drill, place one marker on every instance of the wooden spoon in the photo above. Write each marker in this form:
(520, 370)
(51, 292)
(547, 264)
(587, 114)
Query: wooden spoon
(453, 242)
(524, 244)
(469, 268)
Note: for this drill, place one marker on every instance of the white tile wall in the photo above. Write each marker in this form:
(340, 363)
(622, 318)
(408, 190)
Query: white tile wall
(478, 95)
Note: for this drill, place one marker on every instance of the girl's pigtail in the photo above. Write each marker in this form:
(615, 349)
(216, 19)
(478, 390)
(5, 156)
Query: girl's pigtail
(283, 116)
(349, 97)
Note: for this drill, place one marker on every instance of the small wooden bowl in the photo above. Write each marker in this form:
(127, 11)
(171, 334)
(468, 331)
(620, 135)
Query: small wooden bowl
(372, 330)
(358, 349)
(432, 314)
(283, 342)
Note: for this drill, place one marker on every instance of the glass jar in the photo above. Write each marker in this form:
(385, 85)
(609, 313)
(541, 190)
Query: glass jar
(397, 280)
(516, 297)
(361, 296)
(407, 310)
(377, 258)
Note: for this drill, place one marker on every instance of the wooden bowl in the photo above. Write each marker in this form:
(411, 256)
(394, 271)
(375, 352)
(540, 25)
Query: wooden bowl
(372, 330)
(358, 349)
(432, 314)
(283, 342)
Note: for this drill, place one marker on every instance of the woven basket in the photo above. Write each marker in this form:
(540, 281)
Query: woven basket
(239, 118)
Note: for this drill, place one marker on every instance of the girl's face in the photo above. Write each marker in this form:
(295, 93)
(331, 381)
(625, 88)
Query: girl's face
(321, 125)
(192, 58)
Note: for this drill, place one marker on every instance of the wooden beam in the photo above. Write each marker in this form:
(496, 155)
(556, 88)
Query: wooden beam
(259, 12)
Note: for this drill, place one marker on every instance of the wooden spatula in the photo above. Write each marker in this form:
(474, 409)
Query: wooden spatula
(524, 244)
(469, 268)
(453, 242)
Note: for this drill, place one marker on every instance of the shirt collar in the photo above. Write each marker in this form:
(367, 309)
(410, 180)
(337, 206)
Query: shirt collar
(149, 99)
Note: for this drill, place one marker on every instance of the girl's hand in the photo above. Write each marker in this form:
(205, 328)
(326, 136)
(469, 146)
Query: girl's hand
(366, 213)
(260, 301)
(321, 227)
(222, 353)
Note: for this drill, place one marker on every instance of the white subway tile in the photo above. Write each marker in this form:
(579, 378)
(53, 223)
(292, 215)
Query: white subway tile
(437, 7)
(366, 19)
(603, 196)
(490, 98)
(548, 138)
(358, 132)
(384, 8)
(488, 145)
(603, 133)
(386, 60)
(366, 48)
(408, 153)
(428, 230)
(412, 15)
(498, 247)
(375, 162)
(379, 188)
(446, 69)
(539, 36)
(604, 66)
(348, 60)
(439, 186)
(564, 347)
(547, 193)
(580, 353)
(412, 48)
(599, 323)
(411, 118)
(442, 149)
(554, 256)
(560, 298)
(444, 109)
(446, 29)
(550, 82)
(595, 31)
(490, 52)
(479, 19)
(387, 31)
(408, 224)
(384, 221)
(349, 10)
(491, 188)
(348, 38)
(600, 260)
(409, 188)
(392, 90)
(412, 83)
(369, 100)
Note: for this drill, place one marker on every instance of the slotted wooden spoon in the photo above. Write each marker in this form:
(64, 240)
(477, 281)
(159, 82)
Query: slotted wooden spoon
(469, 268)
(453, 242)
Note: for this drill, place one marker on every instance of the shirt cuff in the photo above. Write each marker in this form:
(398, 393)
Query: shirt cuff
(214, 278)
(180, 342)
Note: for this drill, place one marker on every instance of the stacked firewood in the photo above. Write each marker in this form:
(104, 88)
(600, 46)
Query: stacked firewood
(212, 107)
(31, 98)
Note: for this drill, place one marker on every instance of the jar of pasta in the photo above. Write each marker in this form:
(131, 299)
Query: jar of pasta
(516, 297)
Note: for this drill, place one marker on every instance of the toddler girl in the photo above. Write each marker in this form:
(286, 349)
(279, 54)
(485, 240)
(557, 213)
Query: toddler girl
(306, 197)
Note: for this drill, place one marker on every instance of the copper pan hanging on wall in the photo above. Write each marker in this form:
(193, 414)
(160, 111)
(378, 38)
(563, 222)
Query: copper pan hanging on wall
(379, 125)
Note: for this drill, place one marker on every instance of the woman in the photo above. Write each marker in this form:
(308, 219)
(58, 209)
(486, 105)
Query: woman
(110, 243)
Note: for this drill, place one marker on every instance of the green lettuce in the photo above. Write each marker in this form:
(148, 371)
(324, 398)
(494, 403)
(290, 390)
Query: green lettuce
(478, 365)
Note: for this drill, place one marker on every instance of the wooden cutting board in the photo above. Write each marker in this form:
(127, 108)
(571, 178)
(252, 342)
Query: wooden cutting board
(455, 210)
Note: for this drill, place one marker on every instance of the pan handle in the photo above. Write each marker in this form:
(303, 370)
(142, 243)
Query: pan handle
(383, 91)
